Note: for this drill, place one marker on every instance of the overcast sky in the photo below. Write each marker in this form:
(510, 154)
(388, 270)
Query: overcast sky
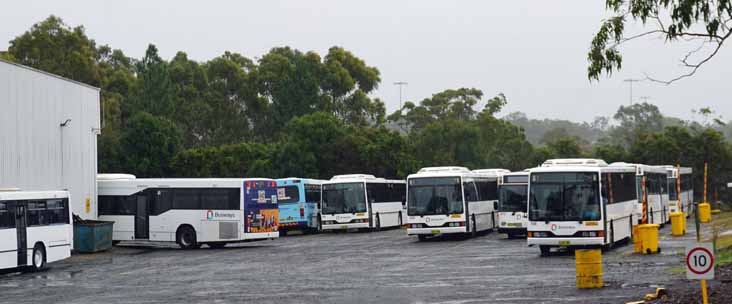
(532, 51)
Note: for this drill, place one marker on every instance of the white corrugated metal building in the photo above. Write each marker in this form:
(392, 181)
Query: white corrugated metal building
(48, 135)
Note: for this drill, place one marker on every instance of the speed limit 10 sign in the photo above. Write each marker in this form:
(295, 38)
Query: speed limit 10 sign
(700, 261)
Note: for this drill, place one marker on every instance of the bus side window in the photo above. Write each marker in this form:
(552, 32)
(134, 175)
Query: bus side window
(7, 218)
(471, 194)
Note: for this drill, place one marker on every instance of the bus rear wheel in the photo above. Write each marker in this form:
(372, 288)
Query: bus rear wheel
(186, 237)
(39, 258)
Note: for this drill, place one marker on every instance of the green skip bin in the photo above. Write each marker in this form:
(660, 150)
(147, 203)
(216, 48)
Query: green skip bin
(92, 236)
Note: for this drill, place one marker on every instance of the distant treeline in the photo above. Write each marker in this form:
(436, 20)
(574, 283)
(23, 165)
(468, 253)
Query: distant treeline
(294, 113)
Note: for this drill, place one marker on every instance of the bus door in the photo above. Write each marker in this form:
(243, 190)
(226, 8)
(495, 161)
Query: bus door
(142, 218)
(20, 226)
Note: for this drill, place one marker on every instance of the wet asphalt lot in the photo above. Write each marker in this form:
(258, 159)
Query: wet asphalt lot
(375, 267)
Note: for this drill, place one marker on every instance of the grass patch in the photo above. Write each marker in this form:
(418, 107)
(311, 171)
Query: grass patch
(724, 256)
(676, 270)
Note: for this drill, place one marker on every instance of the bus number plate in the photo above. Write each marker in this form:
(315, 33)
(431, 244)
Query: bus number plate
(344, 227)
(435, 231)
(563, 243)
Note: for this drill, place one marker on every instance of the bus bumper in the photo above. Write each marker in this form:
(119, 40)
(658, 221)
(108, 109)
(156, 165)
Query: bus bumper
(566, 242)
(293, 225)
(261, 235)
(346, 226)
(512, 230)
(435, 230)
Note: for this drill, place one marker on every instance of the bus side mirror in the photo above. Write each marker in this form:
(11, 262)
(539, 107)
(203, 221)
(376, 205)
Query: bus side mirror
(495, 205)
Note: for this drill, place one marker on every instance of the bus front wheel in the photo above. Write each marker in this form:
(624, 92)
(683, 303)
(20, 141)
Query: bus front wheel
(474, 231)
(39, 257)
(421, 237)
(187, 238)
(545, 250)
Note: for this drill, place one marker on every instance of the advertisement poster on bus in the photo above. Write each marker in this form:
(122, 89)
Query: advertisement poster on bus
(260, 206)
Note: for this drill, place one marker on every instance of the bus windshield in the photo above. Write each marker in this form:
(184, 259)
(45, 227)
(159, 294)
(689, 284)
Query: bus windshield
(566, 196)
(344, 198)
(512, 198)
(435, 195)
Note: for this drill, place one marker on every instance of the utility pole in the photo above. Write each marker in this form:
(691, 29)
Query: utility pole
(400, 84)
(630, 81)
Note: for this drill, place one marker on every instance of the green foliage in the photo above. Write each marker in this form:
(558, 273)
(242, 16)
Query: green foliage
(294, 113)
(540, 131)
(55, 47)
(148, 145)
(705, 19)
(243, 159)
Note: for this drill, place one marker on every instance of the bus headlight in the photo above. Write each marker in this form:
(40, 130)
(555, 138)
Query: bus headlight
(539, 234)
(592, 234)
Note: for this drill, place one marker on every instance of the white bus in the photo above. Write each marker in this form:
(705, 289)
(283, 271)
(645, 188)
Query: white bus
(512, 203)
(448, 200)
(191, 211)
(682, 201)
(656, 193)
(356, 201)
(35, 228)
(580, 203)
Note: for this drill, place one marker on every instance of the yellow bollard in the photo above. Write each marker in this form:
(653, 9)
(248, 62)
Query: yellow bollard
(636, 239)
(649, 238)
(705, 213)
(588, 263)
(678, 224)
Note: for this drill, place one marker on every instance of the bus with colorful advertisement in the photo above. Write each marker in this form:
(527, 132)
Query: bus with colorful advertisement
(451, 200)
(680, 179)
(580, 203)
(189, 211)
(512, 203)
(654, 192)
(362, 201)
(35, 228)
(298, 200)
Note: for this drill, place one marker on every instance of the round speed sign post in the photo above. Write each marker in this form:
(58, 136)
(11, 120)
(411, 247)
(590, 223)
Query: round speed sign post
(699, 262)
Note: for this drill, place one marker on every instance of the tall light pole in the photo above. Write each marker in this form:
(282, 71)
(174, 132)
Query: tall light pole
(630, 82)
(400, 84)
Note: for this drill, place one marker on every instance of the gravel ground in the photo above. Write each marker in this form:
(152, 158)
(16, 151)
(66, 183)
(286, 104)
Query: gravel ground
(376, 267)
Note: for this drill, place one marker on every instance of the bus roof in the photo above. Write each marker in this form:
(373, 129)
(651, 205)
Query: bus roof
(583, 162)
(641, 169)
(492, 171)
(115, 176)
(673, 170)
(355, 178)
(450, 173)
(29, 195)
(296, 180)
(443, 169)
